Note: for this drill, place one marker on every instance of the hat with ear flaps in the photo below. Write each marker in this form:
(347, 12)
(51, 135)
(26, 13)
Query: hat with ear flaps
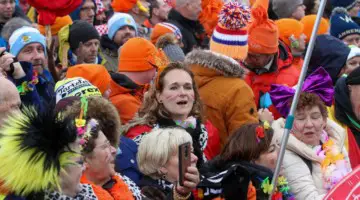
(35, 147)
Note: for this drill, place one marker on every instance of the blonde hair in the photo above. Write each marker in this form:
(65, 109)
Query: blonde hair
(157, 147)
(151, 109)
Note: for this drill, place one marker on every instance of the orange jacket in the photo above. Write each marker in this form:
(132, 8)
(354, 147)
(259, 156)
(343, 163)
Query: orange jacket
(228, 100)
(281, 72)
(126, 97)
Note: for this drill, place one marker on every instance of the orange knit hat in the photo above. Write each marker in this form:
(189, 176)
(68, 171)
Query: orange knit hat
(135, 59)
(123, 5)
(287, 28)
(163, 28)
(309, 21)
(95, 74)
(263, 32)
(58, 24)
(210, 9)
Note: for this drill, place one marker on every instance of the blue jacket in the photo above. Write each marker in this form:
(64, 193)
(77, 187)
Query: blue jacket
(43, 92)
(125, 161)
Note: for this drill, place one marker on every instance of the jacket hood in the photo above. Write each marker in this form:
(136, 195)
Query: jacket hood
(75, 15)
(329, 53)
(222, 64)
(121, 84)
(335, 132)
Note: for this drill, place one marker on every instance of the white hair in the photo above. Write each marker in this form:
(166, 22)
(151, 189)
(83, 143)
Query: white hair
(157, 147)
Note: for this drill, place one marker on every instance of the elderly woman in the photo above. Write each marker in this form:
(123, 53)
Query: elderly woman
(315, 158)
(161, 165)
(174, 101)
(347, 111)
(40, 157)
(244, 166)
(109, 121)
(99, 162)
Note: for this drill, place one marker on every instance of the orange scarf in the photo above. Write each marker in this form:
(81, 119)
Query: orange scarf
(120, 191)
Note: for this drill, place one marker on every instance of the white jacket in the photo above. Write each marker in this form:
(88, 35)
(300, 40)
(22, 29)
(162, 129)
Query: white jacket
(303, 184)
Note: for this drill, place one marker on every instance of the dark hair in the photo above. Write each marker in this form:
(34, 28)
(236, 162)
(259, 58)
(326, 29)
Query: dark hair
(311, 100)
(243, 144)
(153, 4)
(90, 144)
(151, 109)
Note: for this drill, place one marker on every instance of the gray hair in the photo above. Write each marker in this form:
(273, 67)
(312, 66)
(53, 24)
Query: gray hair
(157, 147)
(12, 25)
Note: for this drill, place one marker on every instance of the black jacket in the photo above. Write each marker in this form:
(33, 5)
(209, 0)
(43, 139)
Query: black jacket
(231, 180)
(192, 31)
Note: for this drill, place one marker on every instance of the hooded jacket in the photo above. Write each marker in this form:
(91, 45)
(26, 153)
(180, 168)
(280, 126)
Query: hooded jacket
(109, 51)
(303, 183)
(75, 15)
(281, 72)
(228, 100)
(126, 96)
(329, 53)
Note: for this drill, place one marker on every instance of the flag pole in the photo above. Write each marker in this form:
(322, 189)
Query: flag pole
(290, 118)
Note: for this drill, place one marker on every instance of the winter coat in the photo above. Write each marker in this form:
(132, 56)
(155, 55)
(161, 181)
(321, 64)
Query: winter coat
(193, 34)
(125, 160)
(43, 92)
(228, 100)
(109, 51)
(126, 96)
(208, 137)
(232, 180)
(281, 72)
(332, 61)
(306, 184)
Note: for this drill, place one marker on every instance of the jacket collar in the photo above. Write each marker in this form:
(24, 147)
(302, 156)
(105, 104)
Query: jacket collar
(218, 62)
(176, 16)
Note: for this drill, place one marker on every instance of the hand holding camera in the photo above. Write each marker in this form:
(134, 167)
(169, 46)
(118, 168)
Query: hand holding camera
(10, 65)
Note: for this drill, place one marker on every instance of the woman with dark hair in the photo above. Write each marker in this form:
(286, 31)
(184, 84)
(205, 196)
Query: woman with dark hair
(244, 168)
(174, 101)
(315, 157)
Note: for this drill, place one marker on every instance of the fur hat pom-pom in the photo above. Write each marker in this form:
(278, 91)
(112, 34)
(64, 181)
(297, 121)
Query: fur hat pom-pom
(259, 14)
(234, 16)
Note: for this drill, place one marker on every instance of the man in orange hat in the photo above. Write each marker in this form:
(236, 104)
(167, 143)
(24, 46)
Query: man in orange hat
(137, 68)
(269, 61)
(291, 34)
